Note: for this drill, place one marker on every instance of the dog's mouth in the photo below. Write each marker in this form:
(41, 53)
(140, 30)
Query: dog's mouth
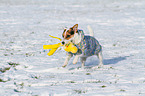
(62, 42)
(65, 41)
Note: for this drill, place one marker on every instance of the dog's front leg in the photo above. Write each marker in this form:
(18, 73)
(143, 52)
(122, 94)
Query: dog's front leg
(66, 60)
(76, 59)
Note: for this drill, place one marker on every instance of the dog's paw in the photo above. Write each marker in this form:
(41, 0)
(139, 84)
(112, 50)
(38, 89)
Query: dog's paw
(100, 66)
(64, 66)
(74, 62)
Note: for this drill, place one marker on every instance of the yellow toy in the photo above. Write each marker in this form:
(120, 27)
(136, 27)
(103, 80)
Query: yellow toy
(69, 47)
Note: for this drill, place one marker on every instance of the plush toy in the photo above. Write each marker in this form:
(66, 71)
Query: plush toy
(69, 47)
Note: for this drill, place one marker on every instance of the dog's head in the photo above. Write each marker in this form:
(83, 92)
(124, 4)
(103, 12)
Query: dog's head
(71, 34)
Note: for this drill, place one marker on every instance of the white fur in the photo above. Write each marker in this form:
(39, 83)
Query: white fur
(77, 38)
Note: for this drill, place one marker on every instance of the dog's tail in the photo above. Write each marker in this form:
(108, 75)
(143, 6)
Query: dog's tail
(90, 30)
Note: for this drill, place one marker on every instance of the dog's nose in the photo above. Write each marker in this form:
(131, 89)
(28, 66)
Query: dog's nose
(63, 42)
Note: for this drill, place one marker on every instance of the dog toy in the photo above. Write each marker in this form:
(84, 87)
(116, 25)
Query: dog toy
(69, 47)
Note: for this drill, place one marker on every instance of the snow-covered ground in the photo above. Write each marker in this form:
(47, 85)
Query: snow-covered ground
(26, 70)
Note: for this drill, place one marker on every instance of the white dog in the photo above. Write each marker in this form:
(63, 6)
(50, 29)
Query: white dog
(87, 45)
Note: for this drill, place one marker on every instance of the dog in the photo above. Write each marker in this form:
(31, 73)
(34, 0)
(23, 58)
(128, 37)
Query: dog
(87, 46)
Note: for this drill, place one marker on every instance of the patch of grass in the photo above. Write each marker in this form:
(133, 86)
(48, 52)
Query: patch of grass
(114, 44)
(54, 84)
(103, 86)
(5, 54)
(22, 84)
(35, 77)
(79, 91)
(97, 81)
(29, 54)
(15, 90)
(19, 86)
(122, 90)
(111, 68)
(32, 33)
(25, 66)
(2, 80)
(4, 69)
(88, 73)
(70, 81)
(13, 64)
(11, 42)
(2, 49)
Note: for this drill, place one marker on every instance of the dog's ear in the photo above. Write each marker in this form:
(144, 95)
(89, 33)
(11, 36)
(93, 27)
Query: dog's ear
(63, 34)
(75, 28)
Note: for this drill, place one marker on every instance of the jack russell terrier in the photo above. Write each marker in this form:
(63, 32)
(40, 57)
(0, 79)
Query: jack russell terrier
(87, 45)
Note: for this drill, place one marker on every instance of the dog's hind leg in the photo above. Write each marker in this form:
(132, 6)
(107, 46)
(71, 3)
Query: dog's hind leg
(100, 56)
(66, 60)
(83, 60)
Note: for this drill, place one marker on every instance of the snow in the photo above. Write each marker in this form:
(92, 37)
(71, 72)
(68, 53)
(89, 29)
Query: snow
(26, 70)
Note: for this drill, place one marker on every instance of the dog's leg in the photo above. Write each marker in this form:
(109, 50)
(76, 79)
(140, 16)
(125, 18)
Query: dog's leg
(66, 60)
(83, 60)
(100, 56)
(76, 59)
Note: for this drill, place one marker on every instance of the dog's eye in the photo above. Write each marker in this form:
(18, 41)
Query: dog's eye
(72, 32)
(68, 35)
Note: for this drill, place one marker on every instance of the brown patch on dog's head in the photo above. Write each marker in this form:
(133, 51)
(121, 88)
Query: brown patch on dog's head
(67, 34)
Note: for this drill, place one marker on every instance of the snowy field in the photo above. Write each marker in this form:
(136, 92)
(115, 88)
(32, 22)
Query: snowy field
(26, 70)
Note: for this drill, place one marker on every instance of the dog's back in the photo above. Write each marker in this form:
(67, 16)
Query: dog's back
(88, 45)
